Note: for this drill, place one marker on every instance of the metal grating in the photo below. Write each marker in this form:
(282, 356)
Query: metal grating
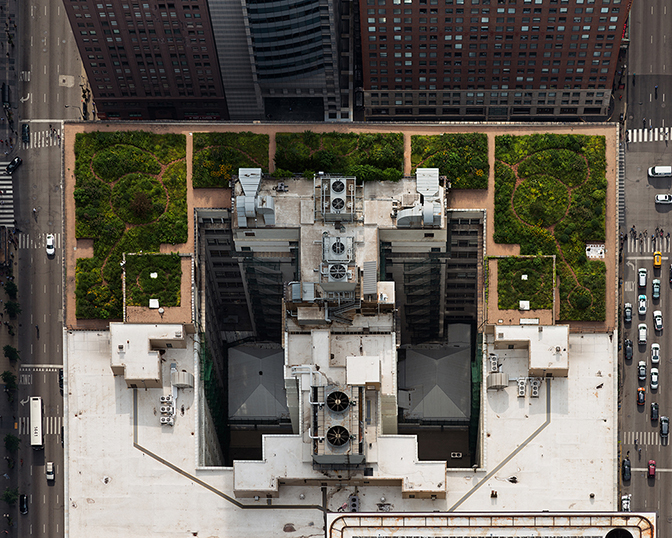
(370, 278)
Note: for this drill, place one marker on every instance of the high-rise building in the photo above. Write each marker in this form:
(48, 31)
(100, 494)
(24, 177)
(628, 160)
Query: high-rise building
(149, 60)
(490, 59)
(201, 59)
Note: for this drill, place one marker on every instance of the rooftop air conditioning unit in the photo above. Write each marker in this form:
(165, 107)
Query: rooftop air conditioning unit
(521, 387)
(167, 409)
(120, 347)
(338, 272)
(167, 421)
(338, 195)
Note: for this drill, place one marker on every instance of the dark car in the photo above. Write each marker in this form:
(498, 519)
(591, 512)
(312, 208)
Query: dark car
(628, 349)
(671, 273)
(641, 396)
(626, 470)
(664, 427)
(12, 166)
(25, 133)
(627, 312)
(654, 411)
(23, 504)
(60, 379)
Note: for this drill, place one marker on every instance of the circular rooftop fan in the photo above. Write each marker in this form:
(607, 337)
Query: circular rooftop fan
(338, 203)
(338, 186)
(338, 247)
(338, 272)
(338, 401)
(338, 436)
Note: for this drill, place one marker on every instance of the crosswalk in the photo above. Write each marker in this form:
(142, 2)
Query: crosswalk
(44, 137)
(38, 241)
(648, 245)
(50, 425)
(657, 134)
(647, 438)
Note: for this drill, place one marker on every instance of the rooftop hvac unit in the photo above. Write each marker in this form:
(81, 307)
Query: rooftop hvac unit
(535, 384)
(338, 401)
(338, 194)
(353, 503)
(166, 399)
(338, 272)
(167, 409)
(338, 436)
(167, 421)
(521, 388)
(494, 363)
(338, 247)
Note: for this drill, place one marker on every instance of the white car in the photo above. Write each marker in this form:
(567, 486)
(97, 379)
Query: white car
(50, 245)
(625, 502)
(658, 320)
(664, 198)
(642, 305)
(641, 333)
(654, 378)
(49, 469)
(655, 353)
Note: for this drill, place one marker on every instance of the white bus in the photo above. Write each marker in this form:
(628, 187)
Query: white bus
(36, 439)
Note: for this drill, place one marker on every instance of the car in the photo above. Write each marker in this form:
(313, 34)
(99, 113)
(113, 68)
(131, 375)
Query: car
(641, 396)
(641, 371)
(23, 504)
(641, 333)
(655, 353)
(664, 427)
(671, 273)
(654, 411)
(664, 198)
(625, 470)
(652, 468)
(657, 259)
(25, 133)
(49, 470)
(628, 350)
(625, 502)
(627, 312)
(658, 320)
(60, 379)
(50, 245)
(655, 294)
(642, 274)
(641, 300)
(654, 378)
(13, 165)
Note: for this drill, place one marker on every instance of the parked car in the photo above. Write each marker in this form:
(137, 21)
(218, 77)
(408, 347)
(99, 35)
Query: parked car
(625, 470)
(654, 411)
(23, 504)
(641, 333)
(664, 427)
(13, 165)
(657, 259)
(50, 245)
(628, 350)
(654, 378)
(658, 320)
(641, 371)
(641, 396)
(655, 294)
(664, 198)
(625, 502)
(652, 468)
(671, 273)
(627, 312)
(641, 300)
(49, 470)
(655, 353)
(641, 276)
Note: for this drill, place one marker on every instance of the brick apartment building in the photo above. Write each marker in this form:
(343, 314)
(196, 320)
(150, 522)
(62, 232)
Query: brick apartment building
(490, 59)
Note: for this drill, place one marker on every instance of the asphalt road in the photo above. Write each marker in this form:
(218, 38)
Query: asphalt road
(650, 65)
(49, 78)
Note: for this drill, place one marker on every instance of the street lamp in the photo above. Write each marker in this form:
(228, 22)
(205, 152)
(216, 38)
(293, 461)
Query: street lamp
(75, 106)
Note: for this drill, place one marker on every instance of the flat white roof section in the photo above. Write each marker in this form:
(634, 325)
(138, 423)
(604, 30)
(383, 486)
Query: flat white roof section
(547, 345)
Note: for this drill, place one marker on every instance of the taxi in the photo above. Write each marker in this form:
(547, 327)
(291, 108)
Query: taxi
(657, 259)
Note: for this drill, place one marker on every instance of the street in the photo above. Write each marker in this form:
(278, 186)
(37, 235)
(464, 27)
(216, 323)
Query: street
(648, 89)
